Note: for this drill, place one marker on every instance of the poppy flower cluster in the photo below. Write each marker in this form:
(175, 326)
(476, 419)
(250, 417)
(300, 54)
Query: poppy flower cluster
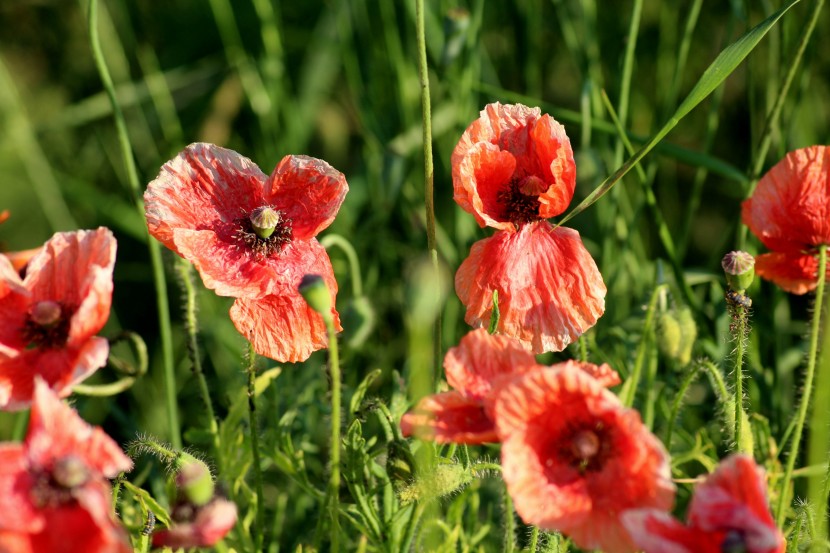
(728, 512)
(49, 319)
(513, 169)
(54, 493)
(788, 212)
(251, 236)
(573, 457)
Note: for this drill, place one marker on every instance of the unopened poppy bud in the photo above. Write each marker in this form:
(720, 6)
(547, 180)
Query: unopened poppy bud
(668, 334)
(264, 220)
(316, 294)
(46, 313)
(442, 481)
(688, 335)
(740, 270)
(195, 481)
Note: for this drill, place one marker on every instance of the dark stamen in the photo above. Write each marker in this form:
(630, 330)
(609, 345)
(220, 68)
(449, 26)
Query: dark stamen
(47, 325)
(263, 248)
(520, 201)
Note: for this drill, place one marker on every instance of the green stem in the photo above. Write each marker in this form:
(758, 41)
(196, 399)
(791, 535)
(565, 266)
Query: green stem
(409, 533)
(334, 477)
(330, 240)
(678, 401)
(192, 328)
(159, 280)
(429, 199)
(629, 390)
(534, 539)
(258, 530)
(808, 385)
(740, 345)
(21, 422)
(509, 523)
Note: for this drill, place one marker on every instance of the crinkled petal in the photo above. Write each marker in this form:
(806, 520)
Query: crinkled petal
(655, 531)
(734, 497)
(203, 187)
(308, 191)
(75, 270)
(60, 369)
(792, 272)
(790, 208)
(480, 358)
(283, 326)
(19, 514)
(212, 523)
(508, 143)
(549, 288)
(538, 415)
(603, 374)
(449, 417)
(56, 430)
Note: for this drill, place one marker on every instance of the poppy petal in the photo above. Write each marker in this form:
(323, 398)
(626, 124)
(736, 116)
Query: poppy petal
(549, 288)
(56, 430)
(792, 272)
(308, 191)
(488, 169)
(603, 374)
(449, 417)
(790, 208)
(656, 531)
(212, 523)
(202, 187)
(10, 281)
(19, 514)
(480, 358)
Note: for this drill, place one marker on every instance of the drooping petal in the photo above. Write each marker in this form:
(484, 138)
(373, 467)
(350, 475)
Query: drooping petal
(790, 208)
(604, 374)
(56, 430)
(282, 326)
(60, 369)
(212, 523)
(203, 187)
(308, 191)
(656, 531)
(792, 272)
(449, 417)
(556, 479)
(734, 497)
(549, 288)
(479, 359)
(537, 146)
(19, 514)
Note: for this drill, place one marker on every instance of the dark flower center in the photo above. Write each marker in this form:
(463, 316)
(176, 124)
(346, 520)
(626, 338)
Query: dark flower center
(733, 542)
(586, 448)
(184, 512)
(265, 231)
(46, 325)
(57, 486)
(520, 200)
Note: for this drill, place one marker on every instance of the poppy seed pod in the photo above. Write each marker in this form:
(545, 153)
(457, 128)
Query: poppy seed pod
(739, 268)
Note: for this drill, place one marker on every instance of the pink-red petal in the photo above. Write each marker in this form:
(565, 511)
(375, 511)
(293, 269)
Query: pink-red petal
(549, 288)
(790, 208)
(308, 191)
(203, 187)
(449, 417)
(212, 523)
(480, 359)
(656, 531)
(19, 514)
(793, 272)
(603, 374)
(56, 430)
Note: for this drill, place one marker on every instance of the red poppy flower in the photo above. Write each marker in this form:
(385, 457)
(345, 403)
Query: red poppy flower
(513, 168)
(574, 458)
(788, 212)
(48, 327)
(728, 512)
(198, 526)
(474, 368)
(54, 495)
(251, 237)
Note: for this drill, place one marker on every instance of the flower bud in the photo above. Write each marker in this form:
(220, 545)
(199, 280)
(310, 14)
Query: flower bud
(264, 220)
(740, 270)
(195, 481)
(316, 294)
(688, 335)
(668, 334)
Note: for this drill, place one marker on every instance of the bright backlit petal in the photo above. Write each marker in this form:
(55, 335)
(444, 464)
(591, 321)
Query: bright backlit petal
(792, 272)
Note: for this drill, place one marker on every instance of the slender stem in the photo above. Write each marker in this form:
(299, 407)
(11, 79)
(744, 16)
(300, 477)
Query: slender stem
(534, 539)
(192, 328)
(808, 385)
(509, 523)
(159, 280)
(740, 344)
(258, 530)
(21, 422)
(629, 390)
(429, 199)
(330, 240)
(334, 477)
(409, 533)
(678, 401)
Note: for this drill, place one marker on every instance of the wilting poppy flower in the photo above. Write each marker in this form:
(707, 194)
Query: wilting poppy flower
(512, 169)
(788, 212)
(574, 458)
(54, 495)
(198, 526)
(474, 368)
(728, 512)
(251, 237)
(49, 320)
